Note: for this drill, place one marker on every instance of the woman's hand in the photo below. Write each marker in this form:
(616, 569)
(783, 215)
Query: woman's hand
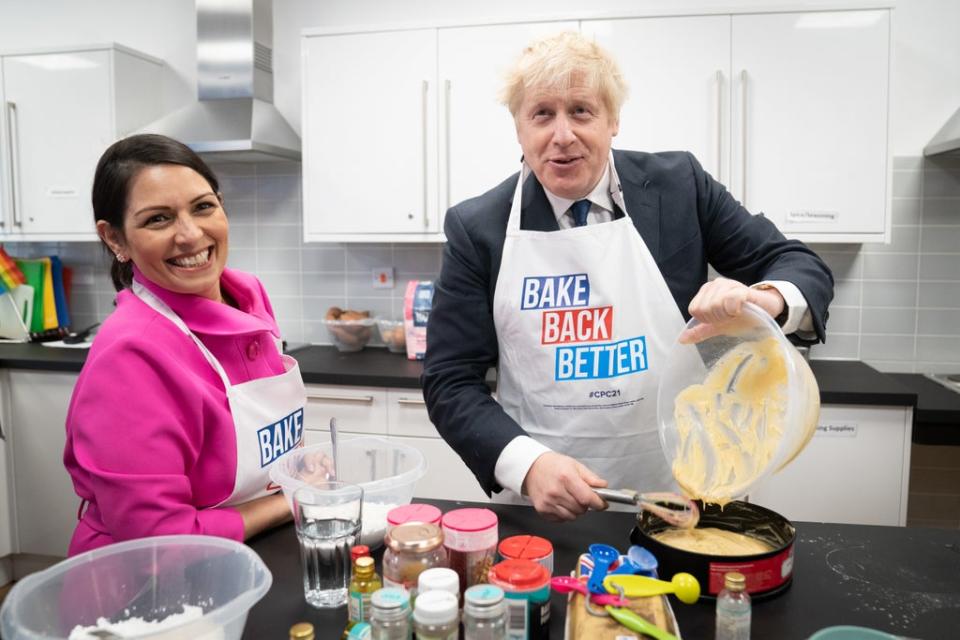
(263, 513)
(561, 488)
(721, 300)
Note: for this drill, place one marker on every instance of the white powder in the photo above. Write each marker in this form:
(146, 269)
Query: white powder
(138, 627)
(374, 526)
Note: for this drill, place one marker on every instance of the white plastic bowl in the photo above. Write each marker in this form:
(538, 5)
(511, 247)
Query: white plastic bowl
(721, 440)
(387, 471)
(393, 335)
(150, 578)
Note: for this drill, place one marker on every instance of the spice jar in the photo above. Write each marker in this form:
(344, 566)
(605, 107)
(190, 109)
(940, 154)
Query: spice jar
(470, 536)
(439, 579)
(436, 616)
(526, 586)
(413, 513)
(412, 548)
(528, 548)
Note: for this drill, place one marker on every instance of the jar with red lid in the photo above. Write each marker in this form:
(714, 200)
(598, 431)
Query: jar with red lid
(527, 548)
(413, 513)
(412, 548)
(526, 586)
(470, 536)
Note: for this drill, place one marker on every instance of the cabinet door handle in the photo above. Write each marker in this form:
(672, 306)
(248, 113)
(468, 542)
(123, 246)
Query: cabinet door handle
(425, 89)
(13, 135)
(356, 399)
(411, 401)
(743, 137)
(446, 134)
(719, 121)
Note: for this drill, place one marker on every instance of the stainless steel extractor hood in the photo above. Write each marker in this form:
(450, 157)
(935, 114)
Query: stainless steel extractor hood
(947, 139)
(234, 119)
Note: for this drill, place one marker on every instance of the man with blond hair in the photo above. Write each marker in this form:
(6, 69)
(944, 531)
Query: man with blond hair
(575, 277)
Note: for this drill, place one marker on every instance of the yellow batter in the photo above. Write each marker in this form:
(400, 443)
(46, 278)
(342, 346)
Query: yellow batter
(712, 541)
(728, 433)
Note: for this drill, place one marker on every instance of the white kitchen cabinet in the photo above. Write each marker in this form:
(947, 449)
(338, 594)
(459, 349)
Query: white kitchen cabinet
(6, 491)
(678, 73)
(855, 470)
(359, 409)
(414, 133)
(810, 95)
(370, 135)
(788, 110)
(44, 501)
(478, 143)
(62, 109)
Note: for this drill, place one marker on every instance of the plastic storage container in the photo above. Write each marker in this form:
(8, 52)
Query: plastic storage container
(393, 335)
(350, 335)
(526, 586)
(735, 407)
(387, 471)
(151, 579)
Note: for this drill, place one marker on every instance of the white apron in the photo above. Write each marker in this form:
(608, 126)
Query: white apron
(584, 320)
(267, 413)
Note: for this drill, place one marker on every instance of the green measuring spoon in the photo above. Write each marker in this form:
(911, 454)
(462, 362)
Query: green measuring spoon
(683, 585)
(633, 621)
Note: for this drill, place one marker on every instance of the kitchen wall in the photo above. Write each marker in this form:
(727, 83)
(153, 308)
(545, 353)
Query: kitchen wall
(897, 305)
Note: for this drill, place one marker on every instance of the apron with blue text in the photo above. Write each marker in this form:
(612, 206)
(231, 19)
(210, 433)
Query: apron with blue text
(584, 321)
(267, 413)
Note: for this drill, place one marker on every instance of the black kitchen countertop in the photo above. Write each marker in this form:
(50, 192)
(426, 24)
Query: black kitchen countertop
(936, 415)
(895, 579)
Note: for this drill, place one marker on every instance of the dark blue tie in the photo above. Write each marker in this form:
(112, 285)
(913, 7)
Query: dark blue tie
(579, 209)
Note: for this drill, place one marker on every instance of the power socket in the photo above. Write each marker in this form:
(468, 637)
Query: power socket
(383, 278)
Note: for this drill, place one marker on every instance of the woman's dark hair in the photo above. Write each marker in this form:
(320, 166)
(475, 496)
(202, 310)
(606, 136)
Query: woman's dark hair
(117, 168)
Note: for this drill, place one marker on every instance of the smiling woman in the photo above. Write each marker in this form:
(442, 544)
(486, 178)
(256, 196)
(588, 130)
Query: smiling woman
(163, 423)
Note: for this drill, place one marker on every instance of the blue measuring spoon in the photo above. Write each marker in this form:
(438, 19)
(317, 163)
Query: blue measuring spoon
(603, 556)
(638, 561)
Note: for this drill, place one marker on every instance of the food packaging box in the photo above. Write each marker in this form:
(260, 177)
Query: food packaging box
(416, 311)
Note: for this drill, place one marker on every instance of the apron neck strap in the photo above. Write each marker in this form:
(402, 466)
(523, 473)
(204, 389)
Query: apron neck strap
(164, 309)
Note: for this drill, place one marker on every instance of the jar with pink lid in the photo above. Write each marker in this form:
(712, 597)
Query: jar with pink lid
(470, 536)
(413, 513)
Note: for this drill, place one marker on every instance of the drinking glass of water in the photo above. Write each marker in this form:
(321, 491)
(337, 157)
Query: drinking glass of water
(327, 517)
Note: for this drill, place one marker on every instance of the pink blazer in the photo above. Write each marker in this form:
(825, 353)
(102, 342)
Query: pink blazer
(151, 445)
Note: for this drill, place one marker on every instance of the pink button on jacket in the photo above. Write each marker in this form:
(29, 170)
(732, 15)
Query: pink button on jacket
(150, 440)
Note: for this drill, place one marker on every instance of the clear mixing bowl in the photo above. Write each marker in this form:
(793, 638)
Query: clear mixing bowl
(388, 472)
(151, 579)
(735, 407)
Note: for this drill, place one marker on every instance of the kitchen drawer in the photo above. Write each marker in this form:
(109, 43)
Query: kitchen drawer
(321, 436)
(358, 409)
(447, 476)
(407, 414)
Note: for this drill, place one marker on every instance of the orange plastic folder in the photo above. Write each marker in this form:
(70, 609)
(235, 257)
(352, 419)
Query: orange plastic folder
(33, 272)
(49, 302)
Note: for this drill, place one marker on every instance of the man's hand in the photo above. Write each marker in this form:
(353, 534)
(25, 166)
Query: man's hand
(721, 300)
(560, 487)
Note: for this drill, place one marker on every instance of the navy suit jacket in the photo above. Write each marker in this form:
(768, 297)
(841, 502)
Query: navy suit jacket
(687, 220)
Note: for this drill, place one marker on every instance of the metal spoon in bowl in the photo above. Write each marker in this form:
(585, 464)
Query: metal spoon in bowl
(333, 446)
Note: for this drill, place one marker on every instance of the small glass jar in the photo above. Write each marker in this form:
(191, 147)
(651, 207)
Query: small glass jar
(436, 616)
(390, 615)
(484, 613)
(439, 579)
(412, 549)
(470, 536)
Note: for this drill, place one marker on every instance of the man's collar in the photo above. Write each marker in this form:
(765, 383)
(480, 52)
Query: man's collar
(600, 196)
